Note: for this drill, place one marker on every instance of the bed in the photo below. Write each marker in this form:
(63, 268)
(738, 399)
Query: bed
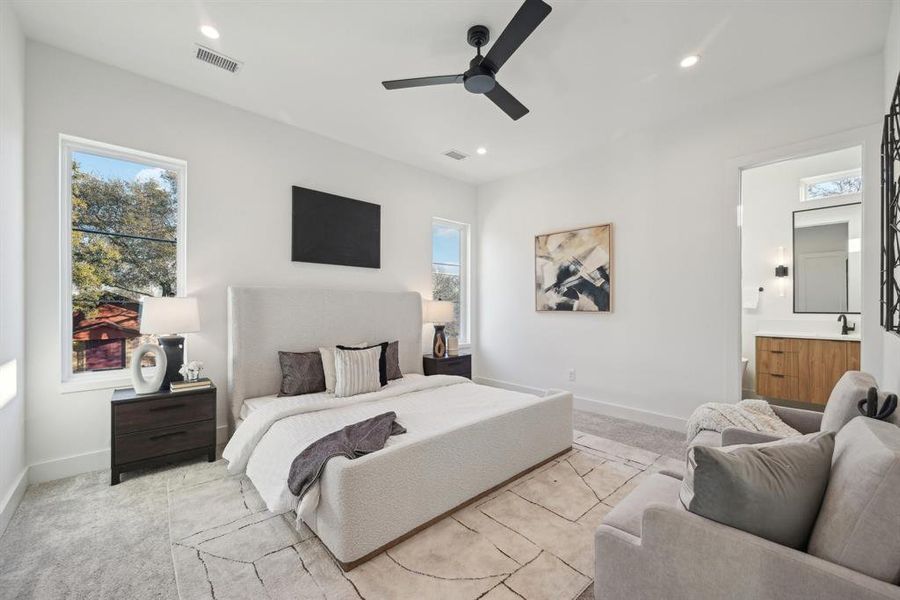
(463, 439)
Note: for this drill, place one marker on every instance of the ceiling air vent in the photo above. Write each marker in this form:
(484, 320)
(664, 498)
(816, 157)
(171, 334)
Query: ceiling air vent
(217, 60)
(456, 155)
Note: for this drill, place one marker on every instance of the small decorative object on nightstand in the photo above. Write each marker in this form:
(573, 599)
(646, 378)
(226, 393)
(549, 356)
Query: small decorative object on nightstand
(439, 312)
(448, 365)
(165, 427)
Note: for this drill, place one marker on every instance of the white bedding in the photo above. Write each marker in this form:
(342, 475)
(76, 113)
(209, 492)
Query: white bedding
(276, 430)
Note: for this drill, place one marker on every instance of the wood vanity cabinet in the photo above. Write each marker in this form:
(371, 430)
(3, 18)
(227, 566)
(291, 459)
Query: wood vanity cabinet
(802, 370)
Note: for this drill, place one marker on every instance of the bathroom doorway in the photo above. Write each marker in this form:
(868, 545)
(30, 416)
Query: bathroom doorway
(801, 276)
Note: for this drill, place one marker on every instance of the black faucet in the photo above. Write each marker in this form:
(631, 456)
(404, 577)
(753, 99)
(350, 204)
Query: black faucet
(845, 329)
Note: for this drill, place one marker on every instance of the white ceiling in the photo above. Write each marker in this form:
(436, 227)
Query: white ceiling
(590, 72)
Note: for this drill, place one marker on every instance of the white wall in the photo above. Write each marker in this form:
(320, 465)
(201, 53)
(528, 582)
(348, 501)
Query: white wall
(672, 340)
(12, 275)
(891, 375)
(769, 196)
(240, 171)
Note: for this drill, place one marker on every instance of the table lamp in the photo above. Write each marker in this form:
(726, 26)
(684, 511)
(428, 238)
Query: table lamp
(439, 313)
(168, 317)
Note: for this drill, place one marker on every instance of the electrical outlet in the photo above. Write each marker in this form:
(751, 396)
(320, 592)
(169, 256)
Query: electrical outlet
(571, 374)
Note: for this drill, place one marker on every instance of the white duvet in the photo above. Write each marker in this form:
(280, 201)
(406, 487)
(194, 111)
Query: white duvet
(271, 437)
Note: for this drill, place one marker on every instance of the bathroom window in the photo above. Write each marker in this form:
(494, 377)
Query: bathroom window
(123, 216)
(832, 185)
(450, 272)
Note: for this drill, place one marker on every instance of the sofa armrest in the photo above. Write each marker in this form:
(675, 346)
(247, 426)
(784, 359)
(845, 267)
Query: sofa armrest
(804, 421)
(736, 435)
(738, 565)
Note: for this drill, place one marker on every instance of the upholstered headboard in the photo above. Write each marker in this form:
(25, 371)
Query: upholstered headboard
(264, 320)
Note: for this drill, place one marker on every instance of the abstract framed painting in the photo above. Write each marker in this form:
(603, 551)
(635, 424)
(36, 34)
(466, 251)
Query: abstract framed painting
(573, 270)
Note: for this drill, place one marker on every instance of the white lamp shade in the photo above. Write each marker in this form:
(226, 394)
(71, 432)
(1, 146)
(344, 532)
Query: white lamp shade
(169, 315)
(438, 311)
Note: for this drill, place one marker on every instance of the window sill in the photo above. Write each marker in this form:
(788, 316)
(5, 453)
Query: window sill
(94, 382)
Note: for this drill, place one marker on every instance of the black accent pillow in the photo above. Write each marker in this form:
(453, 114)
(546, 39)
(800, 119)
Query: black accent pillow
(392, 360)
(301, 373)
(382, 359)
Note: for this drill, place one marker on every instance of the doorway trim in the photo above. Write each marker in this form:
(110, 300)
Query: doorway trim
(867, 137)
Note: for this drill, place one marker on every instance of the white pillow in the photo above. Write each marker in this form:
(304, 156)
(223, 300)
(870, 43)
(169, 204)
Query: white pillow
(328, 363)
(356, 371)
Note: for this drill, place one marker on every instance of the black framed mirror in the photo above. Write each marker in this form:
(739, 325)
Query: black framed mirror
(827, 259)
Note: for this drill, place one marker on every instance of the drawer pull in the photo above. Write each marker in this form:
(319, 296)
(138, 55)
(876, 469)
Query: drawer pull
(167, 435)
(169, 407)
(777, 351)
(778, 376)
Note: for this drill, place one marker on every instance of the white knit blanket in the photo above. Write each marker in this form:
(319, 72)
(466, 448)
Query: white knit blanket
(755, 415)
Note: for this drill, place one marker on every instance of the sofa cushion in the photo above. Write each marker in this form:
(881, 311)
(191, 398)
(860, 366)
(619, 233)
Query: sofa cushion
(772, 490)
(628, 514)
(859, 522)
(842, 404)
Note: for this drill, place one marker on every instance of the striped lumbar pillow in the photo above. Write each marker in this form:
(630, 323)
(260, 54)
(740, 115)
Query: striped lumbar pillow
(356, 371)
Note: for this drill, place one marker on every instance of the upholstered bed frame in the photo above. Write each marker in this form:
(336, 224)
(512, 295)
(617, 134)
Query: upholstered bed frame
(264, 320)
(375, 501)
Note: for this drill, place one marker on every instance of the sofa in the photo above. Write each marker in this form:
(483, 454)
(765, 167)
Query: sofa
(649, 547)
(840, 409)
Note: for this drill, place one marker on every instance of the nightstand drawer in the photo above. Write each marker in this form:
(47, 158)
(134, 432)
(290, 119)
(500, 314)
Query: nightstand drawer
(168, 440)
(174, 410)
(449, 365)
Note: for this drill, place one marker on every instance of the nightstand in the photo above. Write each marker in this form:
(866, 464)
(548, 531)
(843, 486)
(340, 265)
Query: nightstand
(448, 365)
(160, 428)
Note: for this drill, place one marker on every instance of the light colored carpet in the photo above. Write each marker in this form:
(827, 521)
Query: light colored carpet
(210, 533)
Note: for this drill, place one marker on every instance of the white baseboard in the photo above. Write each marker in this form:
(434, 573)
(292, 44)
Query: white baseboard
(97, 460)
(68, 466)
(10, 503)
(601, 407)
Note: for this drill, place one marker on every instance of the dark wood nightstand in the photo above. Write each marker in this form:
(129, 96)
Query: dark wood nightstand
(448, 365)
(159, 428)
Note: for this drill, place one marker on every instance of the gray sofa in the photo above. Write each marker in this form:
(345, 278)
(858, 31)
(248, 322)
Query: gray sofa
(839, 410)
(650, 547)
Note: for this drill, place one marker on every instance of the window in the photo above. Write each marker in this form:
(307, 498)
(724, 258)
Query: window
(450, 272)
(832, 185)
(123, 215)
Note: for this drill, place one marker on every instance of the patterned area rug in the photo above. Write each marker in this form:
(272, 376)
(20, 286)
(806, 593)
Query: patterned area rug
(532, 539)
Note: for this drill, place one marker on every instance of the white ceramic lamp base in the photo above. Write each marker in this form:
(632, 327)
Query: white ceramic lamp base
(140, 384)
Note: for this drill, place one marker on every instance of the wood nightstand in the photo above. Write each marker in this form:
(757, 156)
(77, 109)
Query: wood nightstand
(448, 365)
(159, 428)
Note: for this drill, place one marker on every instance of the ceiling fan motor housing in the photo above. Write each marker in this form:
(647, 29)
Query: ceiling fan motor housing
(478, 79)
(479, 35)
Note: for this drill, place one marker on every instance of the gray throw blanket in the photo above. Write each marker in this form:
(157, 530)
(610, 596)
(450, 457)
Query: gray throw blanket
(352, 441)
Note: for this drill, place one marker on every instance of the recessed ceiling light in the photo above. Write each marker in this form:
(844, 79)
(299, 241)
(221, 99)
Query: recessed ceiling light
(689, 61)
(481, 150)
(210, 32)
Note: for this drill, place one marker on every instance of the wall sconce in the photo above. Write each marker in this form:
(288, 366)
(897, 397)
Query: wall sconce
(781, 271)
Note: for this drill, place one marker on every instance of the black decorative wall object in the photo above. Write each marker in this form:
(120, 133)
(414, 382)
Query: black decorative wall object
(890, 216)
(334, 230)
(868, 406)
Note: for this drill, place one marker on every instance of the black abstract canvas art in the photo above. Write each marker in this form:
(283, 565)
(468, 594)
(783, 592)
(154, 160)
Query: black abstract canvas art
(572, 270)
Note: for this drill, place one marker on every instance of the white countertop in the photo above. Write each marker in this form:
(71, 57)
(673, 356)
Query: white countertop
(853, 336)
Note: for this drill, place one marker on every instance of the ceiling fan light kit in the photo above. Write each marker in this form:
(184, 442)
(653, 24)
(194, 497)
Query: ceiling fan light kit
(481, 77)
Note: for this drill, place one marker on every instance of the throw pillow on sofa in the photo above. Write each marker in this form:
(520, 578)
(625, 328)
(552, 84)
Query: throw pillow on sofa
(772, 490)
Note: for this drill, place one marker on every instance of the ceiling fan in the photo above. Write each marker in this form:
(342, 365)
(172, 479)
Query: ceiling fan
(481, 78)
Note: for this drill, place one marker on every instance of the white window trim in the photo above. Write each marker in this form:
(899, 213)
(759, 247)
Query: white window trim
(808, 181)
(465, 292)
(68, 144)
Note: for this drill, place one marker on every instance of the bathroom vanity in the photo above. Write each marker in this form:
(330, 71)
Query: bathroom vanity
(803, 368)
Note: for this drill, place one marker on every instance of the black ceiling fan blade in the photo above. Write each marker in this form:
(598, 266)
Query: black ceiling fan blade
(523, 23)
(399, 84)
(507, 102)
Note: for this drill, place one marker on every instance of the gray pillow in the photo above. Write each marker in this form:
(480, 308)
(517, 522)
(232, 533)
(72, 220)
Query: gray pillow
(772, 490)
(392, 355)
(301, 373)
